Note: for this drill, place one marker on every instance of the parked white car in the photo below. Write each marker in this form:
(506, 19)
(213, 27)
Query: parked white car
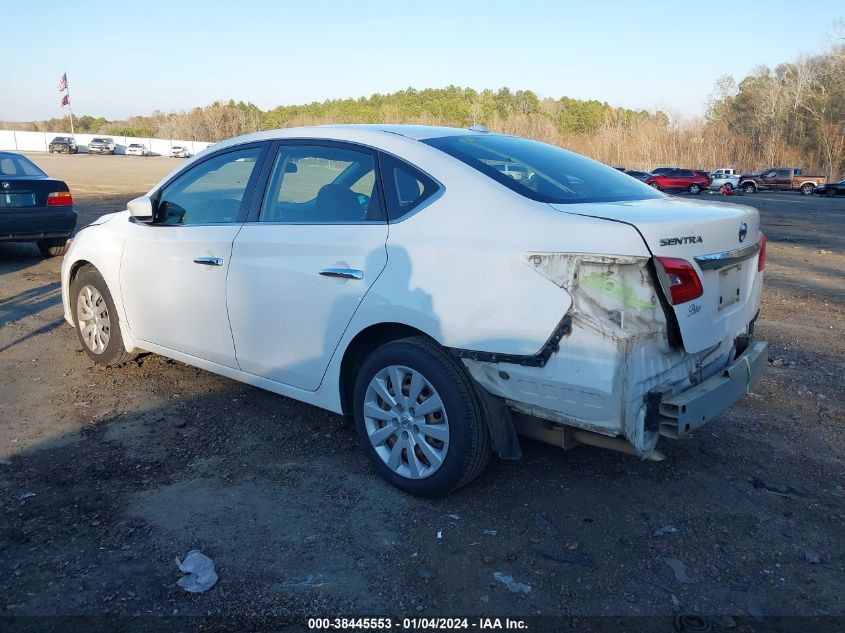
(717, 180)
(136, 149)
(179, 151)
(394, 273)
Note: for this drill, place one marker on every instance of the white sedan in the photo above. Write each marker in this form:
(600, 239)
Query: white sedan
(136, 149)
(396, 274)
(730, 181)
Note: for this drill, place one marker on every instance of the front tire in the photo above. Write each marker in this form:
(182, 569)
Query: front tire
(830, 193)
(655, 185)
(419, 419)
(53, 247)
(749, 188)
(97, 324)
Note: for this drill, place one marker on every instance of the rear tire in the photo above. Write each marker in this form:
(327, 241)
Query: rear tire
(53, 247)
(97, 324)
(808, 190)
(458, 446)
(749, 188)
(695, 189)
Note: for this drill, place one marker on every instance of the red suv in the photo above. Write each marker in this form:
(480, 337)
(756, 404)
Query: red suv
(680, 179)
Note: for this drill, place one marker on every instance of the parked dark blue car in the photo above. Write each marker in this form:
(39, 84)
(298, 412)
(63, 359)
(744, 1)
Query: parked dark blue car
(33, 206)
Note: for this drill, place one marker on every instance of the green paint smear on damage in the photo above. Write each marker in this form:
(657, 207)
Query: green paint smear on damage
(615, 289)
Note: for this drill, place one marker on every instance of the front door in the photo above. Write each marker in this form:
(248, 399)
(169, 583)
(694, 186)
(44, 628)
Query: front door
(173, 271)
(302, 267)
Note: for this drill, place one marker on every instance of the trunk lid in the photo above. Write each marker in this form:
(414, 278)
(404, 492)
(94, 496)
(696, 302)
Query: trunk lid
(27, 191)
(708, 237)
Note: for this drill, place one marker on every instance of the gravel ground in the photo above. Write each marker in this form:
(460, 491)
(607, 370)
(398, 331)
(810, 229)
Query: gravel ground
(107, 475)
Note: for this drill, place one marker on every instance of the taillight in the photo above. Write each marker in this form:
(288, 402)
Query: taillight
(60, 199)
(761, 257)
(680, 279)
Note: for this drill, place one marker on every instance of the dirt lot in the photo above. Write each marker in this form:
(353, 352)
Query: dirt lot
(108, 474)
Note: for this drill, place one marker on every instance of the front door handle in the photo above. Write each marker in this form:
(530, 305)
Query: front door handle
(209, 261)
(343, 273)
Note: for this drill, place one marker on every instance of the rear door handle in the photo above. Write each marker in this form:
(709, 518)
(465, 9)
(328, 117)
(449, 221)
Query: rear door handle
(343, 273)
(209, 261)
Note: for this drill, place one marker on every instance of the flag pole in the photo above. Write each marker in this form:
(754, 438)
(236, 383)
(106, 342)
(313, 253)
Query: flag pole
(69, 105)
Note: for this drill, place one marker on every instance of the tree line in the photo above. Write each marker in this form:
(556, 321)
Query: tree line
(793, 115)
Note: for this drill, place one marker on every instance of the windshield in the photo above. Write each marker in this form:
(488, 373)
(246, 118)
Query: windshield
(549, 173)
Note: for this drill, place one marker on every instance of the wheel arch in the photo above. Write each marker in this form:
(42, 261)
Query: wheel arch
(360, 346)
(73, 271)
(101, 249)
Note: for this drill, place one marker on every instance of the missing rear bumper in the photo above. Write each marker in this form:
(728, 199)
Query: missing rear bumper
(684, 412)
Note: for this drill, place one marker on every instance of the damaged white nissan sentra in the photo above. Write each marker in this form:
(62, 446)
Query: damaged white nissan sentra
(405, 276)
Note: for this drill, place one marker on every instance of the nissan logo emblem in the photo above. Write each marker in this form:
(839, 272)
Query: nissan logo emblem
(743, 231)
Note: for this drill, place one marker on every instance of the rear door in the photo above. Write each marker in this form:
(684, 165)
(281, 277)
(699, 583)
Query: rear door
(784, 179)
(173, 270)
(670, 179)
(301, 266)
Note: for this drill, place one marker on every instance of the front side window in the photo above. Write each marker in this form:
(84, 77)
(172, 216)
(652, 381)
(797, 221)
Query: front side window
(322, 184)
(212, 192)
(547, 173)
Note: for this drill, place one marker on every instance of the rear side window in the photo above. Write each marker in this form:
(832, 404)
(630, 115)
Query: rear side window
(543, 172)
(405, 186)
(322, 184)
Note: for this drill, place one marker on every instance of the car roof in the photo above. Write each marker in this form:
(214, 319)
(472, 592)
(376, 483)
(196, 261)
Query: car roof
(367, 133)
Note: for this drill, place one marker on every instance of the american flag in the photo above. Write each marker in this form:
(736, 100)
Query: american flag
(63, 82)
(65, 101)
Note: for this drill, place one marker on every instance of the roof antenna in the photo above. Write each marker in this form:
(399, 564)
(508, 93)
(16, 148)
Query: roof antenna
(479, 128)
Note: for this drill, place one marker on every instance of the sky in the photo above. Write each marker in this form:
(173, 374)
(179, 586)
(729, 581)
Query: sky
(125, 58)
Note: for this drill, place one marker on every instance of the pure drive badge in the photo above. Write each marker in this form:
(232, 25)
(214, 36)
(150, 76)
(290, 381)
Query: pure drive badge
(674, 241)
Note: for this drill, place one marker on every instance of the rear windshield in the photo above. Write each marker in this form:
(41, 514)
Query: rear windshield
(17, 165)
(548, 173)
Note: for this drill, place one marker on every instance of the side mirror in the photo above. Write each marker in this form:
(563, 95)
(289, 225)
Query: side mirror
(141, 209)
